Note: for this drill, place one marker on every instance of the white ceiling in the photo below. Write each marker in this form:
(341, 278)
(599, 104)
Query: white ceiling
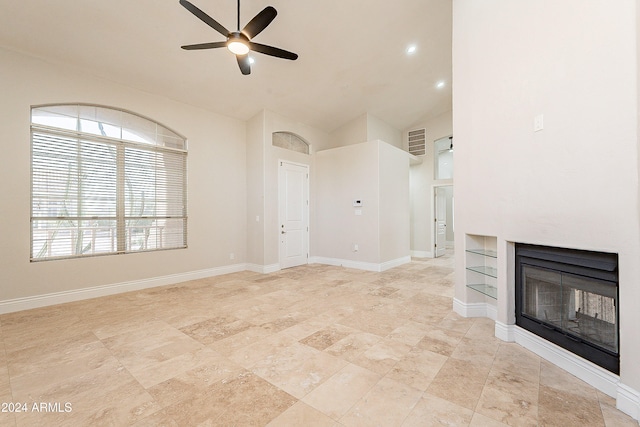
(351, 61)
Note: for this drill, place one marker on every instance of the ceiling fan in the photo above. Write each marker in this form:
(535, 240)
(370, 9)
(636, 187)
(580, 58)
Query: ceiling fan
(239, 42)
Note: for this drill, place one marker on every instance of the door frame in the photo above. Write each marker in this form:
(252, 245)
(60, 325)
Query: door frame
(433, 215)
(280, 213)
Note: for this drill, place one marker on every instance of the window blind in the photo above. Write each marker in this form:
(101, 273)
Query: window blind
(104, 181)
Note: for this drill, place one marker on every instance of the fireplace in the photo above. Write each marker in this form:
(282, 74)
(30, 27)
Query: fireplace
(570, 297)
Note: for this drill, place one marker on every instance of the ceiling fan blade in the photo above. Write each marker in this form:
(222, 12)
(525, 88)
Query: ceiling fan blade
(244, 64)
(273, 51)
(259, 22)
(205, 18)
(211, 45)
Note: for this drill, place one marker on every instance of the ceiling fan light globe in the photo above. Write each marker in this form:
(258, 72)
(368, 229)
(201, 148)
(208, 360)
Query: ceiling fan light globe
(238, 47)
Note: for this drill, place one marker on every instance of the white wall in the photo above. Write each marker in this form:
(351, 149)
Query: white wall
(262, 183)
(262, 180)
(353, 132)
(450, 211)
(344, 174)
(421, 182)
(255, 190)
(318, 140)
(365, 127)
(575, 183)
(216, 182)
(377, 174)
(394, 207)
(378, 129)
(273, 122)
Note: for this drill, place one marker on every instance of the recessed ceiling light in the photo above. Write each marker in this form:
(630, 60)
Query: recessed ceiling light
(411, 49)
(440, 84)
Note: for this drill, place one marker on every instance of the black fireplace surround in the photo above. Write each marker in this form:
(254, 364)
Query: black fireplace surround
(570, 297)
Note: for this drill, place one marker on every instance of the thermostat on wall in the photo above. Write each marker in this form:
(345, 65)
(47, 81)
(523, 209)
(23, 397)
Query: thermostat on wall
(357, 202)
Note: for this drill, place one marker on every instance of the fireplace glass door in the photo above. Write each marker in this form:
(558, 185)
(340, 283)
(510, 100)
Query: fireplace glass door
(570, 298)
(582, 308)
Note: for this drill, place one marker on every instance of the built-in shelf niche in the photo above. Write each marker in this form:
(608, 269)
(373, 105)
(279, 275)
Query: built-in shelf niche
(481, 265)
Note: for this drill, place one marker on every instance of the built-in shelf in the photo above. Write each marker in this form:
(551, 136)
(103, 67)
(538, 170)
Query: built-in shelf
(488, 290)
(481, 258)
(484, 269)
(484, 252)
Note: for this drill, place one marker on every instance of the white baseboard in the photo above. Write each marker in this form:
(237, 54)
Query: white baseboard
(36, 301)
(368, 266)
(359, 265)
(395, 263)
(628, 401)
(588, 372)
(264, 269)
(422, 254)
(492, 311)
(505, 332)
(475, 309)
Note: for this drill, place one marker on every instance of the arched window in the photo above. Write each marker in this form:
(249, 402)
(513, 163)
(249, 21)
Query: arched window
(289, 141)
(104, 181)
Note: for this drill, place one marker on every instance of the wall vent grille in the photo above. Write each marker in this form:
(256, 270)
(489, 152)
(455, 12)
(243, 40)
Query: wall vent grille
(417, 142)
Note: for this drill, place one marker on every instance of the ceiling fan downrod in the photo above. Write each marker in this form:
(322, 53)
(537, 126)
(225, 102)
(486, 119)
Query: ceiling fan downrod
(238, 15)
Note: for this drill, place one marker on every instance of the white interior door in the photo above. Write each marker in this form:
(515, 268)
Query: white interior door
(293, 195)
(440, 221)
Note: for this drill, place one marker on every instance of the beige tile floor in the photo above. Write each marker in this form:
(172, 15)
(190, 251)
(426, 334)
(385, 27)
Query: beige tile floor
(308, 346)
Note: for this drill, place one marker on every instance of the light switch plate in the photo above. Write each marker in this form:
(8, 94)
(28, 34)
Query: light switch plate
(538, 123)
